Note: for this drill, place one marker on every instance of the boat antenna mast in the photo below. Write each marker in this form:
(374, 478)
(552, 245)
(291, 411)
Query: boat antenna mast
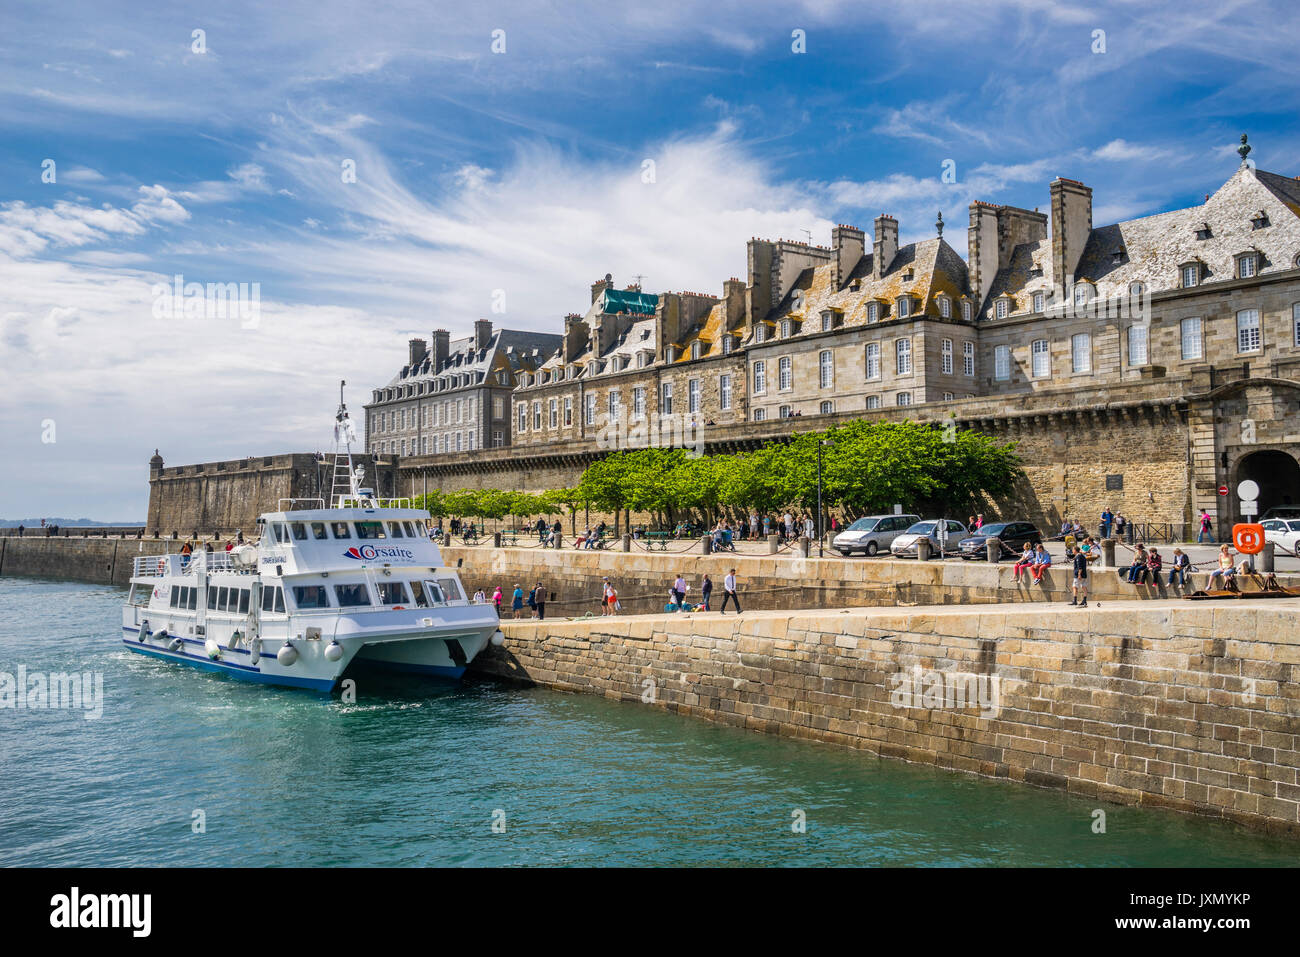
(347, 479)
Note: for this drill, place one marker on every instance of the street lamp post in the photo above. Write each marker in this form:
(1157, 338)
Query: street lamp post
(821, 530)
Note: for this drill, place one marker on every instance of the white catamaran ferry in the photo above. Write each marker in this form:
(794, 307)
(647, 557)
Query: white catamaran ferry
(324, 588)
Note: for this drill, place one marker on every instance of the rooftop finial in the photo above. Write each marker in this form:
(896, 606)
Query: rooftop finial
(1244, 149)
(938, 224)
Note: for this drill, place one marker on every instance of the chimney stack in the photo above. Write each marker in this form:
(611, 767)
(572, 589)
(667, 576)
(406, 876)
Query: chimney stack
(993, 235)
(597, 288)
(441, 348)
(482, 333)
(1071, 226)
(849, 244)
(417, 350)
(885, 247)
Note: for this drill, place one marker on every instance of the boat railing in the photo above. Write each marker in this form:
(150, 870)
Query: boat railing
(293, 504)
(155, 566)
(366, 501)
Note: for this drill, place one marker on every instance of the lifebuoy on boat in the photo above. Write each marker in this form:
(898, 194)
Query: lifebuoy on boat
(162, 566)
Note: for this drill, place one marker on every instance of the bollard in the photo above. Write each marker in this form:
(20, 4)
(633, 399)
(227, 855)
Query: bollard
(1129, 532)
(923, 550)
(804, 546)
(627, 543)
(496, 539)
(773, 544)
(993, 548)
(1108, 553)
(446, 539)
(1266, 557)
(706, 544)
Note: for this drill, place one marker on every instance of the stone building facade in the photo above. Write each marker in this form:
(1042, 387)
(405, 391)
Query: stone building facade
(453, 395)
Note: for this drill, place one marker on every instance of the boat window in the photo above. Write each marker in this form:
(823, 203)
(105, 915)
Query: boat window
(433, 593)
(395, 529)
(223, 596)
(175, 596)
(268, 596)
(279, 600)
(451, 588)
(421, 599)
(410, 529)
(273, 599)
(310, 596)
(281, 532)
(341, 530)
(318, 531)
(140, 594)
(392, 593)
(299, 531)
(243, 601)
(350, 596)
(212, 597)
(193, 598)
(370, 530)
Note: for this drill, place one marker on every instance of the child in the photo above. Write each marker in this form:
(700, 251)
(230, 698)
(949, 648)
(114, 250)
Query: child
(1021, 566)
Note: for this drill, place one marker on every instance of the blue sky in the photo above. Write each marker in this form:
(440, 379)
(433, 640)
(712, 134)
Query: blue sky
(520, 171)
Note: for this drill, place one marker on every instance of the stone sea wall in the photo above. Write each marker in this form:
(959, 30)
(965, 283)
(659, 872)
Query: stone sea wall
(1192, 706)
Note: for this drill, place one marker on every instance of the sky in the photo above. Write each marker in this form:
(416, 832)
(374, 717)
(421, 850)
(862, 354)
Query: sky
(380, 170)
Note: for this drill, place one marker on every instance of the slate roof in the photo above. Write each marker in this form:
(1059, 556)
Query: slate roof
(514, 345)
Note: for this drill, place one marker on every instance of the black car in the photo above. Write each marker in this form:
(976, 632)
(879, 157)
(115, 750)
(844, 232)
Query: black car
(1013, 536)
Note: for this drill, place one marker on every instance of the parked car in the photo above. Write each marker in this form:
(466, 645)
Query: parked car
(1282, 511)
(1283, 533)
(904, 546)
(871, 533)
(1013, 536)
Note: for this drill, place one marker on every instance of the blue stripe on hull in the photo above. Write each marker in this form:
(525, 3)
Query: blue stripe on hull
(242, 672)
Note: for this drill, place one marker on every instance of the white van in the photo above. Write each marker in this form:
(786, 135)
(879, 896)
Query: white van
(872, 533)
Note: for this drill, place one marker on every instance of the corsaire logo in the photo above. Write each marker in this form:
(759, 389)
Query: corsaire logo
(368, 553)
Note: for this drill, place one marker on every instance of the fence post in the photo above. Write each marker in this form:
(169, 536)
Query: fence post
(1266, 557)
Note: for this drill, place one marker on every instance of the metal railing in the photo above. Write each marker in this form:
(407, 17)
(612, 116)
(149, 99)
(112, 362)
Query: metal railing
(293, 504)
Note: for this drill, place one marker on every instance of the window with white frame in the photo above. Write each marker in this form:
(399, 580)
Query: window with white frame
(784, 412)
(1040, 300)
(1190, 334)
(589, 408)
(826, 369)
(828, 321)
(498, 440)
(873, 360)
(760, 377)
(827, 407)
(1191, 274)
(726, 345)
(968, 358)
(945, 307)
(785, 374)
(613, 406)
(638, 403)
(903, 398)
(966, 310)
(1002, 363)
(696, 349)
(537, 415)
(1137, 345)
(873, 311)
(1081, 352)
(724, 391)
(498, 407)
(1248, 330)
(903, 356)
(904, 306)
(760, 332)
(1001, 308)
(945, 356)
(459, 442)
(1040, 361)
(665, 398)
(873, 402)
(785, 328)
(1247, 266)
(693, 395)
(554, 409)
(947, 397)
(760, 415)
(568, 411)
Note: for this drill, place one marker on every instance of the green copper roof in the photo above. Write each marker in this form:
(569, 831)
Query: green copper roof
(629, 300)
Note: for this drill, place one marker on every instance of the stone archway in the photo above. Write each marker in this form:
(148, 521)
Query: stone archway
(1276, 472)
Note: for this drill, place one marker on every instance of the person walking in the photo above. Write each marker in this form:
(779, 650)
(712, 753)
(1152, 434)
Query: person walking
(706, 589)
(496, 600)
(679, 590)
(517, 600)
(539, 601)
(608, 598)
(788, 521)
(480, 597)
(1080, 587)
(1206, 534)
(729, 592)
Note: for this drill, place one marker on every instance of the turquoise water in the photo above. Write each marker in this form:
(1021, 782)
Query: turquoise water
(413, 774)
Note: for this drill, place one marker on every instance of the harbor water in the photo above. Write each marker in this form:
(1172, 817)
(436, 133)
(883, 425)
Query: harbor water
(188, 768)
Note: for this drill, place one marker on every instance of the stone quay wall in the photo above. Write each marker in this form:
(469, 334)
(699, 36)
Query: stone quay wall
(1192, 706)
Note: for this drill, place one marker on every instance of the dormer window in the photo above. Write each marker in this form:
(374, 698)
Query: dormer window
(1259, 220)
(909, 275)
(873, 311)
(1247, 265)
(945, 307)
(696, 349)
(828, 320)
(1040, 301)
(1191, 274)
(1082, 293)
(966, 310)
(727, 345)
(1203, 231)
(855, 285)
(786, 326)
(1036, 271)
(1117, 255)
(1002, 307)
(760, 332)
(904, 306)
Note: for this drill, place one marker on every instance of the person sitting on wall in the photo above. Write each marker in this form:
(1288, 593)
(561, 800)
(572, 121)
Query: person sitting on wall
(1137, 568)
(1154, 565)
(1180, 567)
(1042, 562)
(1023, 564)
(1225, 571)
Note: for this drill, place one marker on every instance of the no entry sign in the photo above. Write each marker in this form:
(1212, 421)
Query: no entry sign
(1223, 490)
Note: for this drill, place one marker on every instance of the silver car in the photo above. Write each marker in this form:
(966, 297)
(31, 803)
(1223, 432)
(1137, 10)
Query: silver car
(872, 533)
(904, 546)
